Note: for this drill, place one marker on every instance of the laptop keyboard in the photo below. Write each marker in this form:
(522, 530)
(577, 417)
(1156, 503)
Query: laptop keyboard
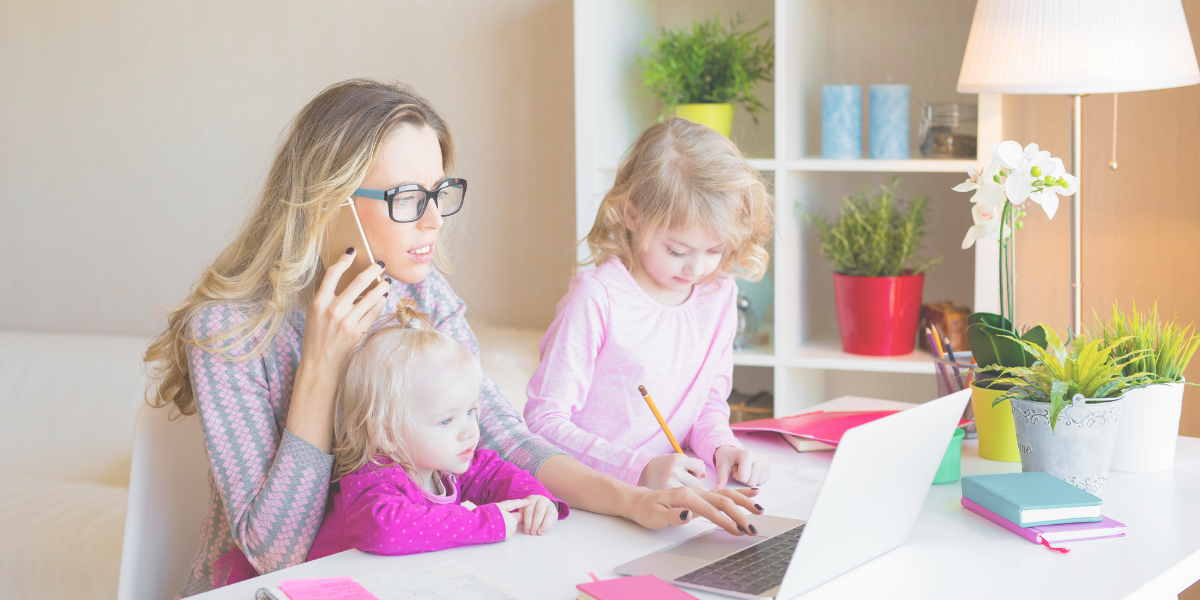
(751, 571)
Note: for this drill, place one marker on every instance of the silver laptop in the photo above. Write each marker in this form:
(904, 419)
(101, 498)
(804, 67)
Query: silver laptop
(867, 505)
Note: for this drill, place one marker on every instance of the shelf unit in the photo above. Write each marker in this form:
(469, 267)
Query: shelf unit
(816, 42)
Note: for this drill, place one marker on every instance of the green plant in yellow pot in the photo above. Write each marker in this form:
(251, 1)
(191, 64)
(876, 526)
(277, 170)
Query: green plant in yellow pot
(700, 74)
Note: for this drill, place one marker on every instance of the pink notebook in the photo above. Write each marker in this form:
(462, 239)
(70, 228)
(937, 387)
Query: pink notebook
(642, 587)
(1066, 532)
(826, 427)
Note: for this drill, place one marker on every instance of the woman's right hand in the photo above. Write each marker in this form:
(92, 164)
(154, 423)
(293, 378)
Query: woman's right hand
(334, 323)
(655, 509)
(670, 471)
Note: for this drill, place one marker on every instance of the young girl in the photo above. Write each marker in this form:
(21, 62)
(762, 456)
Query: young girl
(685, 214)
(405, 452)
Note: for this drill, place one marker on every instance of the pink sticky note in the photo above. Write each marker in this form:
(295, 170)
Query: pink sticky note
(333, 588)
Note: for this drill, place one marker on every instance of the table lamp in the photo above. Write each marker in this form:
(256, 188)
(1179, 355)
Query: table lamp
(1077, 47)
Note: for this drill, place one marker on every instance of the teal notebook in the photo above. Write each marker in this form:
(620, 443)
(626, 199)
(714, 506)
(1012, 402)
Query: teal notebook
(1033, 498)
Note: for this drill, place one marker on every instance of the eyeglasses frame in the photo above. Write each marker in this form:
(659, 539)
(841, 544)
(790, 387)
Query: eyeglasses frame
(389, 195)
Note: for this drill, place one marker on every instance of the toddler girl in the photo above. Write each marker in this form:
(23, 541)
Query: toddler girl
(685, 214)
(405, 455)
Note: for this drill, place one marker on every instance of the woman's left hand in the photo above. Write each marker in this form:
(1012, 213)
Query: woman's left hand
(745, 466)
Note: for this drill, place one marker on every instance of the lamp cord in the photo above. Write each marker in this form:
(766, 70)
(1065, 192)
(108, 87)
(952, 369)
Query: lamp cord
(1113, 165)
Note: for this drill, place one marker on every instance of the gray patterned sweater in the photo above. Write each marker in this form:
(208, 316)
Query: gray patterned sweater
(268, 486)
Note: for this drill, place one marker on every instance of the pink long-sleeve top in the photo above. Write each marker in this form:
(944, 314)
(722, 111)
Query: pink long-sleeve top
(381, 510)
(608, 337)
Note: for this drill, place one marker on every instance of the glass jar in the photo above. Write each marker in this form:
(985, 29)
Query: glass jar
(948, 130)
(745, 325)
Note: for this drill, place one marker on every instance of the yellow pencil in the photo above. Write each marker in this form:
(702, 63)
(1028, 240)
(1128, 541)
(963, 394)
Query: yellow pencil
(661, 422)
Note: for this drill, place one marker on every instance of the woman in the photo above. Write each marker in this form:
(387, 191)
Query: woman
(257, 347)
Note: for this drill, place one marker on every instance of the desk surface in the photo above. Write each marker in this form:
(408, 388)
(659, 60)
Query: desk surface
(951, 552)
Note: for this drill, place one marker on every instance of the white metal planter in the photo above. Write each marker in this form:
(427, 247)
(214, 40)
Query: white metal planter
(1149, 428)
(1078, 450)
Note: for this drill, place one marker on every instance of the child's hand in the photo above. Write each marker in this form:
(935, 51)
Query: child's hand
(745, 466)
(539, 515)
(512, 518)
(671, 471)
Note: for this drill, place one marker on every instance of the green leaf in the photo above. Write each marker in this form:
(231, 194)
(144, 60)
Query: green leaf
(1036, 335)
(994, 346)
(1058, 390)
(988, 318)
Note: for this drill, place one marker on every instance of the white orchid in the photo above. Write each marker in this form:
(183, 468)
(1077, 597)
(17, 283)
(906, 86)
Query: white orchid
(988, 215)
(1024, 166)
(977, 178)
(1052, 188)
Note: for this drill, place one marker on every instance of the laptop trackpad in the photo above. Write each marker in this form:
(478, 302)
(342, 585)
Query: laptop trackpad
(713, 545)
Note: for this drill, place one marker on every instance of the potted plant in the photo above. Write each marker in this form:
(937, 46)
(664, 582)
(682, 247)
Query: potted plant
(1015, 175)
(877, 280)
(699, 74)
(1150, 419)
(1067, 407)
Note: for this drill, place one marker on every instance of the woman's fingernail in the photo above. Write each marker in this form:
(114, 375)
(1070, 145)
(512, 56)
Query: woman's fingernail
(741, 529)
(388, 280)
(385, 294)
(759, 507)
(350, 250)
(752, 529)
(683, 515)
(380, 263)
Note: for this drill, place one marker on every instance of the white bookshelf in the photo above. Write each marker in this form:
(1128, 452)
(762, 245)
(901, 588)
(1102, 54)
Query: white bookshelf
(816, 42)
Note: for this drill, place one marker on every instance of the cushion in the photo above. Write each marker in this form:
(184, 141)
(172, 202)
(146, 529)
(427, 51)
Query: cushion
(60, 539)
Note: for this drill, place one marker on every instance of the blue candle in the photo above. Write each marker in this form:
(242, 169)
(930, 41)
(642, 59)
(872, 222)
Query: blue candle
(889, 121)
(841, 121)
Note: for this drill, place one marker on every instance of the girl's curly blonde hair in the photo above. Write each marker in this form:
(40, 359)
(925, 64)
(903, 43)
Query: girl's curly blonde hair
(374, 395)
(677, 175)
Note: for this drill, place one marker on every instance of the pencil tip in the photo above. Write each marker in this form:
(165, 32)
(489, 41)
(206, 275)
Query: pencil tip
(642, 389)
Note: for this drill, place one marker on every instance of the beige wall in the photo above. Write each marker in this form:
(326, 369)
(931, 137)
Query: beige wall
(133, 134)
(1141, 223)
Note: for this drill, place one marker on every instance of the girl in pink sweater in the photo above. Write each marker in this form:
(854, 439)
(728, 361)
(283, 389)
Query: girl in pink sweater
(685, 216)
(405, 455)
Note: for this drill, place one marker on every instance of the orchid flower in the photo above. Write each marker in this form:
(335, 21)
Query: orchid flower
(1048, 195)
(1018, 184)
(987, 213)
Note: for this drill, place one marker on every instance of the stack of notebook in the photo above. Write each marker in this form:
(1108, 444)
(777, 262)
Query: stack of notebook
(1038, 507)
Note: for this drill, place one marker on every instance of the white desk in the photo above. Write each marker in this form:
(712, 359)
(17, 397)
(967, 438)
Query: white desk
(951, 553)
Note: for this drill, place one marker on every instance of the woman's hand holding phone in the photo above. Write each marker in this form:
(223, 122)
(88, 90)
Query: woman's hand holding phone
(334, 323)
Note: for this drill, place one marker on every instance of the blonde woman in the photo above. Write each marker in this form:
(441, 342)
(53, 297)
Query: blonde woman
(257, 347)
(685, 215)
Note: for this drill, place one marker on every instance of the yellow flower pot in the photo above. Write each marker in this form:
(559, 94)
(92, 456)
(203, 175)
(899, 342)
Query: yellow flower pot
(997, 430)
(716, 116)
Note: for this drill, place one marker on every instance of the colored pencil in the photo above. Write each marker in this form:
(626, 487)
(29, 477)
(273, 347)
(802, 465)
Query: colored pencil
(661, 422)
(950, 355)
(936, 347)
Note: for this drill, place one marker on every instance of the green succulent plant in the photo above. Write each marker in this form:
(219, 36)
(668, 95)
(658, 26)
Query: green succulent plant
(1088, 368)
(875, 236)
(1166, 348)
(709, 64)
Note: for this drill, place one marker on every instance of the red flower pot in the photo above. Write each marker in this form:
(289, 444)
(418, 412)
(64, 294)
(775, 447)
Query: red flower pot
(878, 315)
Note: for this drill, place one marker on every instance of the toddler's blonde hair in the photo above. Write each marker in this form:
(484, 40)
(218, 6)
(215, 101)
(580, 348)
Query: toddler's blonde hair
(677, 175)
(374, 395)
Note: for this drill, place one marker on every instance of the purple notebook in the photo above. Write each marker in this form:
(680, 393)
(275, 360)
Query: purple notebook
(1066, 532)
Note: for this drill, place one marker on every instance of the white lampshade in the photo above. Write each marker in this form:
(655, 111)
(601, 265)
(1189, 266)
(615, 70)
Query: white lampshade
(1077, 47)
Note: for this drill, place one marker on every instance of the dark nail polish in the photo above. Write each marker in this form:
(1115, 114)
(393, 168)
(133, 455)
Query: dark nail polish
(385, 294)
(683, 515)
(741, 529)
(759, 507)
(350, 250)
(380, 263)
(752, 529)
(388, 280)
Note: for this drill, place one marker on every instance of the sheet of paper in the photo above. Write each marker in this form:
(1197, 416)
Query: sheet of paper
(450, 580)
(788, 482)
(332, 588)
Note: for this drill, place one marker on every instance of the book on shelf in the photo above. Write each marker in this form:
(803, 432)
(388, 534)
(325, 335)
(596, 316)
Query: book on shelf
(1032, 498)
(1066, 532)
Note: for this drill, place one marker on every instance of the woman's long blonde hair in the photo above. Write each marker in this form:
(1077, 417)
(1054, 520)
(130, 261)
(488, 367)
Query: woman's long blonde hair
(374, 395)
(274, 265)
(678, 175)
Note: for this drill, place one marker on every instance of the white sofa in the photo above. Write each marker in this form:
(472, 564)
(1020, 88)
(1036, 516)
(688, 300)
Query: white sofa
(68, 404)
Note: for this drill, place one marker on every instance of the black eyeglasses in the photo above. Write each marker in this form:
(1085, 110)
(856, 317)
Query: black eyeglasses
(407, 203)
